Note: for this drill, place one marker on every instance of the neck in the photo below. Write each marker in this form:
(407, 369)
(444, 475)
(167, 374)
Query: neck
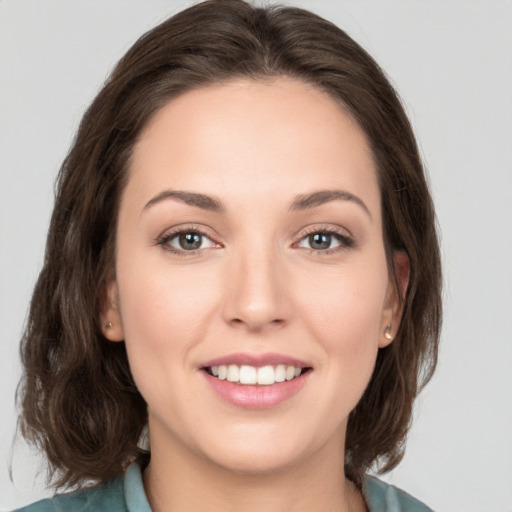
(182, 481)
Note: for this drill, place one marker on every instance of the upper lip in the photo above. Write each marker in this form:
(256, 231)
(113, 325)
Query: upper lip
(257, 360)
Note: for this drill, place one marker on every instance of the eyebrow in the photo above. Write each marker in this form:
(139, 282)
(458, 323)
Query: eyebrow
(301, 202)
(191, 198)
(306, 201)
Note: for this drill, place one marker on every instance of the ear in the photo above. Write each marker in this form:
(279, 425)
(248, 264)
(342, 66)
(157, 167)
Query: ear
(393, 307)
(110, 318)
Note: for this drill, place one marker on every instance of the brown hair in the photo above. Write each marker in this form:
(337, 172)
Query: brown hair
(79, 402)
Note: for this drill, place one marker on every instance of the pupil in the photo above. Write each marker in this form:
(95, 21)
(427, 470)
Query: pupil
(320, 241)
(190, 241)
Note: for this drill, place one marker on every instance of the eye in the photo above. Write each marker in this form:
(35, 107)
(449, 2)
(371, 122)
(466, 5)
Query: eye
(326, 241)
(186, 241)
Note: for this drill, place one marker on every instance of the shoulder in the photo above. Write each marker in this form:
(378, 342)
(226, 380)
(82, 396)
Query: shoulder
(124, 494)
(382, 497)
(108, 497)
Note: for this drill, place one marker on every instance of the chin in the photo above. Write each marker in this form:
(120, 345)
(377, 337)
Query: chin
(260, 454)
(260, 464)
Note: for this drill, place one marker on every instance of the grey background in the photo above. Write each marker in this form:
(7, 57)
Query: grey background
(452, 63)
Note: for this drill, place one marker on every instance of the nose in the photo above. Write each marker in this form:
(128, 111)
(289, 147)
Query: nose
(256, 297)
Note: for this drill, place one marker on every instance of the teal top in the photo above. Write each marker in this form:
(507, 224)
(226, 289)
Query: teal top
(126, 494)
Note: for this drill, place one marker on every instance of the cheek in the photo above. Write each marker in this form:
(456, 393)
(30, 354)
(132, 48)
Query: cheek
(164, 306)
(340, 309)
(164, 314)
(343, 311)
(347, 303)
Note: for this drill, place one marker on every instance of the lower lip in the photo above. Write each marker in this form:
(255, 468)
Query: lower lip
(256, 397)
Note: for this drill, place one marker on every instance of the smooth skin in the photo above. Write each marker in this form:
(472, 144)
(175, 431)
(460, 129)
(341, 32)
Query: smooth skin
(251, 274)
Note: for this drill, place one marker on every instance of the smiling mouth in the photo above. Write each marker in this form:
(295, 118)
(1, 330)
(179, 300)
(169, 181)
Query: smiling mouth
(252, 375)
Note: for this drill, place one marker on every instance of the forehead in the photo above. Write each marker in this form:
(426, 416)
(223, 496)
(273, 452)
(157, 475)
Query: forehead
(261, 139)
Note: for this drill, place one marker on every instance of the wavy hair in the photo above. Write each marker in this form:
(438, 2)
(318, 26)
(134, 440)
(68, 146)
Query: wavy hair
(79, 403)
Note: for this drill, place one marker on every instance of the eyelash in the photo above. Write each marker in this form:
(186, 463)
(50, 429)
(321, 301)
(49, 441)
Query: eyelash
(345, 241)
(165, 239)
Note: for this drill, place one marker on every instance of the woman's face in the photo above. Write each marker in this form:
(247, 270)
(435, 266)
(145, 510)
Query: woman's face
(249, 249)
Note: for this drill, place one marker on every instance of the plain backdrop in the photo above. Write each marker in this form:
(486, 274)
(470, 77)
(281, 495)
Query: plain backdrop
(451, 61)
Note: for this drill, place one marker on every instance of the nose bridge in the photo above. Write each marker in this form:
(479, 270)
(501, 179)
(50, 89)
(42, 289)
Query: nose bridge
(256, 295)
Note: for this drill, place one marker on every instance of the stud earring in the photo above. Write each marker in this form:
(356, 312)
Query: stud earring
(108, 325)
(387, 333)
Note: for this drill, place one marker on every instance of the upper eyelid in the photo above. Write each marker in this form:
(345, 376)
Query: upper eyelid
(342, 231)
(172, 232)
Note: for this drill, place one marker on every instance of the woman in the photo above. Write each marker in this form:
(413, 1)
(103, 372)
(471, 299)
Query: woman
(243, 259)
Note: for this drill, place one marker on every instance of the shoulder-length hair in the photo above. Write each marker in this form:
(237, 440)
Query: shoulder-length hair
(79, 402)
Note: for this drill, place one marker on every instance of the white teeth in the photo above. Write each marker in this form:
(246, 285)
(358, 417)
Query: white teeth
(248, 375)
(233, 373)
(223, 372)
(263, 376)
(266, 375)
(280, 375)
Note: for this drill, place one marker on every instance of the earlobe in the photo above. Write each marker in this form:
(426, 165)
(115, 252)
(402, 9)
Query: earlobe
(397, 289)
(110, 318)
(113, 331)
(386, 336)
